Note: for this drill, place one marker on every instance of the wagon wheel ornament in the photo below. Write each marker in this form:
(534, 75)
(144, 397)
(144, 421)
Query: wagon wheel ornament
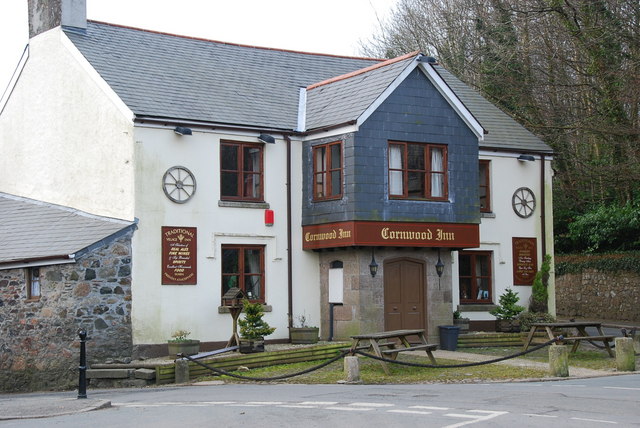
(179, 184)
(523, 202)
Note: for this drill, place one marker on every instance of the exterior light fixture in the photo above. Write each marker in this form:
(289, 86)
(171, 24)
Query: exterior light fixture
(373, 266)
(182, 130)
(266, 138)
(439, 266)
(526, 158)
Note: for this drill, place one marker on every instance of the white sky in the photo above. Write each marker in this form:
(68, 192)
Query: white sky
(323, 26)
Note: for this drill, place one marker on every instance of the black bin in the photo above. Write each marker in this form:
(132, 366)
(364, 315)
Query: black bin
(449, 337)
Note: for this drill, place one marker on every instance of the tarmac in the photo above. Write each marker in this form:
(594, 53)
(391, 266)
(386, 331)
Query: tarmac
(50, 404)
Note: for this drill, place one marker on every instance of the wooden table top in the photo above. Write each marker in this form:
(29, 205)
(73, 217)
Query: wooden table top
(567, 324)
(388, 334)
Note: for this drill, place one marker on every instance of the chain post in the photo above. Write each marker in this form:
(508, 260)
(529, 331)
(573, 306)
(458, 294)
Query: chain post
(82, 369)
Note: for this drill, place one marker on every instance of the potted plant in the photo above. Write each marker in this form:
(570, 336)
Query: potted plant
(302, 333)
(253, 328)
(463, 323)
(181, 344)
(507, 312)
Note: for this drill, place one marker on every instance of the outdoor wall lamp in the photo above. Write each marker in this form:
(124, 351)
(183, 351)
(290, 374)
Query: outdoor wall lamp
(439, 266)
(526, 158)
(266, 138)
(182, 130)
(373, 266)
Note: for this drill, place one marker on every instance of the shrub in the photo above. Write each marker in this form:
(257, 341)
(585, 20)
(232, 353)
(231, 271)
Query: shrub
(539, 293)
(253, 326)
(508, 308)
(527, 318)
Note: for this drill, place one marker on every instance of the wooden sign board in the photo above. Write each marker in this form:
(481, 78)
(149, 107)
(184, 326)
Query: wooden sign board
(179, 255)
(525, 260)
(390, 234)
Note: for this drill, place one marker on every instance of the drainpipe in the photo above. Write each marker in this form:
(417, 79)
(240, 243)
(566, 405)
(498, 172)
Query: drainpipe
(289, 249)
(543, 216)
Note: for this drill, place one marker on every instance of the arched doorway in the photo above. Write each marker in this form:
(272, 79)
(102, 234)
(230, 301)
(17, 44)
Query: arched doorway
(404, 294)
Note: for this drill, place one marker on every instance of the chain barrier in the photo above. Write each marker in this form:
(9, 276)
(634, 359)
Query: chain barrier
(343, 353)
(447, 366)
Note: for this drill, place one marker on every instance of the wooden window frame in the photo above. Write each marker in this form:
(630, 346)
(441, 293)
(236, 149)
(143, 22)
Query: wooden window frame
(29, 275)
(242, 175)
(486, 185)
(474, 300)
(241, 271)
(427, 171)
(324, 174)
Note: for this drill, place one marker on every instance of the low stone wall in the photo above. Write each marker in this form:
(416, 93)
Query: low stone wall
(39, 345)
(596, 294)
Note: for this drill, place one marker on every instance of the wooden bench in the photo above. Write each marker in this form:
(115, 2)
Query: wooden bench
(582, 334)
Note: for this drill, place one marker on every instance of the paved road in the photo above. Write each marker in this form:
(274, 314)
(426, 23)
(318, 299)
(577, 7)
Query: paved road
(583, 403)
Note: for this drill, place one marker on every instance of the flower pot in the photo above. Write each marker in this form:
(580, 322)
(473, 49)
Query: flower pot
(250, 346)
(186, 347)
(300, 335)
(508, 326)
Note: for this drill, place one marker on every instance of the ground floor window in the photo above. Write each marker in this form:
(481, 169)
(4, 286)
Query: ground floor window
(474, 271)
(33, 283)
(243, 267)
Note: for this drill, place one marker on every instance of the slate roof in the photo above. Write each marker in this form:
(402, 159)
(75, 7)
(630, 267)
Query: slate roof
(345, 99)
(32, 230)
(503, 132)
(165, 76)
(168, 76)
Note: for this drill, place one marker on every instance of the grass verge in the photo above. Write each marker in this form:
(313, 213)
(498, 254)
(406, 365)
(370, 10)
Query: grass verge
(371, 372)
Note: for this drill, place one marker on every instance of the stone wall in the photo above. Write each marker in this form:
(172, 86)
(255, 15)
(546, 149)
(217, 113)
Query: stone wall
(599, 295)
(39, 344)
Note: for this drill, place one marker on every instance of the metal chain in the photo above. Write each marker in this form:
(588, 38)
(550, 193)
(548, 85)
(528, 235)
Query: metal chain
(375, 357)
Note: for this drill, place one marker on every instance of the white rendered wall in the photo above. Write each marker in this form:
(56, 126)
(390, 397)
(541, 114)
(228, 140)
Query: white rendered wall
(497, 229)
(158, 310)
(64, 137)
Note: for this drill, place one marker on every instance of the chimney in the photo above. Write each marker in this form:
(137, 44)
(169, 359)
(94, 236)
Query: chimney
(47, 14)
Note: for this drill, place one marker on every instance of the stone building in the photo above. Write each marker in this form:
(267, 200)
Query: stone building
(60, 270)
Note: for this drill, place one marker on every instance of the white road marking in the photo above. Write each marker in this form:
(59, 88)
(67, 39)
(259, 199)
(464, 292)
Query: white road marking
(265, 403)
(356, 409)
(539, 416)
(411, 412)
(320, 403)
(595, 420)
(297, 406)
(489, 415)
(371, 404)
(429, 408)
(622, 387)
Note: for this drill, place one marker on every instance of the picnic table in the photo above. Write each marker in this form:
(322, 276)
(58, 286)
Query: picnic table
(580, 330)
(387, 344)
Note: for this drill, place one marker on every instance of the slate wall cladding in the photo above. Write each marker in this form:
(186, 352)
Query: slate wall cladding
(39, 345)
(415, 112)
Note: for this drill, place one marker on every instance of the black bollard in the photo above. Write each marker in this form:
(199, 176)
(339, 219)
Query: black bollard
(82, 369)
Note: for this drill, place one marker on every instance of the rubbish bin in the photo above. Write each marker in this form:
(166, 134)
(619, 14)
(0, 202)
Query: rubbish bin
(449, 337)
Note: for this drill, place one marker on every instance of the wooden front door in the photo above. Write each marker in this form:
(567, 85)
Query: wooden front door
(404, 296)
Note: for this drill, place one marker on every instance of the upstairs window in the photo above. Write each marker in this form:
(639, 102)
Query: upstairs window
(485, 186)
(243, 267)
(474, 271)
(241, 171)
(327, 171)
(418, 171)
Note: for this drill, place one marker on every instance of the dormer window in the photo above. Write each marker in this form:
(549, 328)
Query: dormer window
(417, 171)
(327, 171)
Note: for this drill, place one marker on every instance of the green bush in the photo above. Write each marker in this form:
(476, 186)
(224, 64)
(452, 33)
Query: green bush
(253, 326)
(527, 318)
(539, 293)
(606, 228)
(508, 308)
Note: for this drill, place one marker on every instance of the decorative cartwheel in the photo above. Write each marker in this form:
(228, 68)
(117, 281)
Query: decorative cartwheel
(179, 184)
(523, 202)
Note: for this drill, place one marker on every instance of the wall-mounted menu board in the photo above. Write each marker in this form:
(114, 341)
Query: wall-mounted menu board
(179, 255)
(525, 260)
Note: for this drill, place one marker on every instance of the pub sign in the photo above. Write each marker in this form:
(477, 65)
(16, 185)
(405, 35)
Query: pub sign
(179, 255)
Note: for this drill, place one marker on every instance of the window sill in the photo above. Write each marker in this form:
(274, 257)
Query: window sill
(487, 215)
(477, 307)
(244, 204)
(225, 310)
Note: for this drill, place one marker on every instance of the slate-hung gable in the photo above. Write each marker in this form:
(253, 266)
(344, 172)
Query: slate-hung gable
(414, 113)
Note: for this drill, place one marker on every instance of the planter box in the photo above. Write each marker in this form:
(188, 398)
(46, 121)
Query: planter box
(463, 323)
(508, 326)
(188, 347)
(250, 346)
(300, 335)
